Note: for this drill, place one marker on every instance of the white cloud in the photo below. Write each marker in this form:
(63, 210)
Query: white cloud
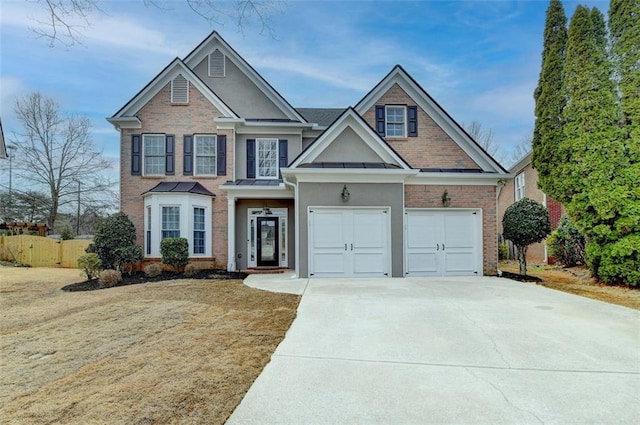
(10, 89)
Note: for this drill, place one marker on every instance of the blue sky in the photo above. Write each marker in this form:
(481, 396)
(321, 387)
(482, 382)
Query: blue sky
(479, 59)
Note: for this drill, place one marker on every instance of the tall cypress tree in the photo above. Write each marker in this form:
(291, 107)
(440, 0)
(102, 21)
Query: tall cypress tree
(550, 101)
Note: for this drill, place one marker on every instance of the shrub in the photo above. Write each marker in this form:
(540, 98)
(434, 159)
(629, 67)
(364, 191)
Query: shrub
(114, 242)
(175, 252)
(90, 265)
(65, 235)
(503, 251)
(567, 244)
(190, 270)
(525, 222)
(152, 270)
(109, 278)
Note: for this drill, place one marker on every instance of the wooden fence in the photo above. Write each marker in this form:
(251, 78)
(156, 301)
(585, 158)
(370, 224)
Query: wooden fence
(38, 251)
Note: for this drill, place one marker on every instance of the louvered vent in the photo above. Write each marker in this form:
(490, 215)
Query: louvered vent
(180, 90)
(216, 64)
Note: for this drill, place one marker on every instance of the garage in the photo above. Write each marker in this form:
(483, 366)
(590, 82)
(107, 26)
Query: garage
(443, 242)
(349, 242)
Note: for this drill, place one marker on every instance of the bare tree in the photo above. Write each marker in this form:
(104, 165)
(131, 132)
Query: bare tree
(56, 154)
(68, 19)
(484, 138)
(521, 149)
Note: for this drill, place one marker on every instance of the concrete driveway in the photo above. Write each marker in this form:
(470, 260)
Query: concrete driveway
(449, 351)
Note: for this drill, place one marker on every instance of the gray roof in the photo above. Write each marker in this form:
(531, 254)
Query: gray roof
(451, 170)
(180, 187)
(257, 182)
(321, 116)
(348, 165)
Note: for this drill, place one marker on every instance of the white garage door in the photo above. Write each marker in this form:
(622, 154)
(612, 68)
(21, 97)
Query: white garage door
(443, 243)
(349, 242)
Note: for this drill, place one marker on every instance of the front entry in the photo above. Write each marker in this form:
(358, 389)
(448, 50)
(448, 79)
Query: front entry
(268, 241)
(267, 237)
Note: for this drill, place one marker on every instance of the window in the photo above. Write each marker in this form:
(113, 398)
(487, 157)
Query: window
(267, 158)
(216, 64)
(205, 155)
(198, 230)
(180, 90)
(148, 238)
(170, 222)
(154, 154)
(395, 121)
(519, 183)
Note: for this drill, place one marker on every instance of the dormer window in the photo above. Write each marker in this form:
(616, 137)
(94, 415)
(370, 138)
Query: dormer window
(217, 64)
(179, 89)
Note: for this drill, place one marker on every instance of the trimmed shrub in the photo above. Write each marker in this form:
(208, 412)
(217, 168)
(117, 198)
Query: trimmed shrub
(525, 222)
(152, 270)
(90, 265)
(503, 251)
(109, 278)
(115, 242)
(190, 270)
(567, 244)
(175, 252)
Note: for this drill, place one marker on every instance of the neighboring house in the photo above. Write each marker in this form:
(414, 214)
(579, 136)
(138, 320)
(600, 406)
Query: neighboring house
(393, 186)
(524, 184)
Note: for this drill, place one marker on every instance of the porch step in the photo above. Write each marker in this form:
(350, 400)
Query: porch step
(266, 270)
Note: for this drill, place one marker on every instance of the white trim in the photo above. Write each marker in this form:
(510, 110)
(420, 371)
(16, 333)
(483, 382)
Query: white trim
(159, 82)
(283, 221)
(257, 157)
(431, 108)
(347, 175)
(216, 41)
(173, 93)
(231, 233)
(195, 154)
(143, 155)
(252, 192)
(404, 121)
(224, 64)
(350, 119)
(436, 178)
(517, 186)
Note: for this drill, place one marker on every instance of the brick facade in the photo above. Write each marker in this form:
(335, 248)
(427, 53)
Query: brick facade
(160, 116)
(433, 148)
(483, 197)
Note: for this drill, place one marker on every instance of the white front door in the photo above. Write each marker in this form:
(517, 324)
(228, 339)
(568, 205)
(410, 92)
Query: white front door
(443, 243)
(349, 242)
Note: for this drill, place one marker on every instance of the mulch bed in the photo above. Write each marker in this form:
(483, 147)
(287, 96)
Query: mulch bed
(139, 277)
(520, 277)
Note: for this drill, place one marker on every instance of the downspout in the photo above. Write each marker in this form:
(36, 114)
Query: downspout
(296, 217)
(500, 184)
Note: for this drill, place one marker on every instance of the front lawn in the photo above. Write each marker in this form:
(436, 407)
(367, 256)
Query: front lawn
(576, 280)
(180, 351)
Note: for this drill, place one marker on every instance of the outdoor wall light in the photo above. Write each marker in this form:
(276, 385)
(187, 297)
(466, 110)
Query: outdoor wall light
(266, 211)
(446, 199)
(345, 194)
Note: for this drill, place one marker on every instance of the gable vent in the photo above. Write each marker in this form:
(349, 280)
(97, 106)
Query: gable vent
(180, 90)
(216, 64)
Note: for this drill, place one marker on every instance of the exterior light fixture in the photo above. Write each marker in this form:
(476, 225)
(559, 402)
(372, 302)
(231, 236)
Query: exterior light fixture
(266, 211)
(446, 199)
(345, 194)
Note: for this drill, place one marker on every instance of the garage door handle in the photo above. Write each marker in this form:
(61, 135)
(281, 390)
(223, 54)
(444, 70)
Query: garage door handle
(443, 247)
(345, 247)
(437, 247)
(351, 247)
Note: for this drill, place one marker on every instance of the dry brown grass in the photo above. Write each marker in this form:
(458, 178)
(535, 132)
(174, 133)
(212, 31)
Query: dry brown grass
(184, 351)
(576, 280)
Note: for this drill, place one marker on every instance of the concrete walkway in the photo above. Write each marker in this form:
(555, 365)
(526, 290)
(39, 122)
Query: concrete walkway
(448, 351)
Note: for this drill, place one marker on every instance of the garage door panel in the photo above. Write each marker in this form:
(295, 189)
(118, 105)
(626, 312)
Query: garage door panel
(423, 231)
(329, 264)
(422, 263)
(369, 230)
(369, 264)
(459, 231)
(462, 262)
(328, 231)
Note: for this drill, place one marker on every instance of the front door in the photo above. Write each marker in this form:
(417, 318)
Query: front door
(268, 241)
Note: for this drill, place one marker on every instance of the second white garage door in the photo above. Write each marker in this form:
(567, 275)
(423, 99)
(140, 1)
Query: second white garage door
(443, 243)
(346, 242)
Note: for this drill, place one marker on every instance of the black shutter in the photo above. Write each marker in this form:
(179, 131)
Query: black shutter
(221, 156)
(412, 114)
(380, 112)
(283, 158)
(169, 156)
(251, 158)
(136, 147)
(187, 158)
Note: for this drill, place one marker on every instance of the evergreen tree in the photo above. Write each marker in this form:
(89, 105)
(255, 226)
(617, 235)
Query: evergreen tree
(550, 101)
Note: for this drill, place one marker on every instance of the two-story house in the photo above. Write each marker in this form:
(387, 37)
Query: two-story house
(392, 186)
(524, 184)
